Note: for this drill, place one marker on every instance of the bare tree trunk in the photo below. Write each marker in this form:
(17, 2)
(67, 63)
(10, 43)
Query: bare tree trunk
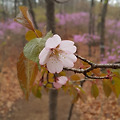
(91, 24)
(70, 112)
(102, 29)
(15, 7)
(24, 2)
(50, 13)
(32, 13)
(3, 11)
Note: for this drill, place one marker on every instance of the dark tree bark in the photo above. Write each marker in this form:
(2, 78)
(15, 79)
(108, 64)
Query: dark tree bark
(15, 7)
(102, 28)
(53, 104)
(32, 13)
(91, 23)
(70, 111)
(50, 13)
(24, 2)
(3, 11)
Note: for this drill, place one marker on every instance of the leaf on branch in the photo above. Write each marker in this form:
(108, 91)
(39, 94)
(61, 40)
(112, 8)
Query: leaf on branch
(33, 48)
(75, 77)
(33, 34)
(79, 94)
(97, 72)
(106, 87)
(84, 65)
(82, 96)
(116, 86)
(24, 18)
(26, 72)
(51, 77)
(36, 90)
(94, 90)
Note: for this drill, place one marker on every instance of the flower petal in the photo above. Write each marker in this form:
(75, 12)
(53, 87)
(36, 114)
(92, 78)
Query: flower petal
(68, 46)
(53, 42)
(72, 57)
(66, 61)
(57, 85)
(44, 56)
(54, 65)
(62, 80)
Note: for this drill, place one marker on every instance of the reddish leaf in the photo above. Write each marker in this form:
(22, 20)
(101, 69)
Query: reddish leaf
(24, 18)
(26, 72)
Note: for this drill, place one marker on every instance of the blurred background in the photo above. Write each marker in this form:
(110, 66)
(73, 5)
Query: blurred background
(94, 26)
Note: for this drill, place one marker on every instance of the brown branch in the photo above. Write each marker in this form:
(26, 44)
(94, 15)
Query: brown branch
(61, 2)
(92, 67)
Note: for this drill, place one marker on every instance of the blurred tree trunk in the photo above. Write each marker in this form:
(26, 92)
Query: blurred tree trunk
(102, 28)
(15, 8)
(50, 13)
(91, 24)
(32, 13)
(3, 11)
(24, 2)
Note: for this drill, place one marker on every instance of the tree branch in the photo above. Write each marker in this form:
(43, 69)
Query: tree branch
(61, 2)
(92, 67)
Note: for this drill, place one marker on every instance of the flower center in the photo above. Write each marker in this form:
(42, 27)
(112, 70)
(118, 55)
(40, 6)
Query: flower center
(55, 51)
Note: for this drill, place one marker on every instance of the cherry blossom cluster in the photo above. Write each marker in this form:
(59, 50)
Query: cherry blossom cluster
(56, 55)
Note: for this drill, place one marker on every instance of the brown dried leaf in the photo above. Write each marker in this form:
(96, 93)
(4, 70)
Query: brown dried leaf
(24, 18)
(26, 72)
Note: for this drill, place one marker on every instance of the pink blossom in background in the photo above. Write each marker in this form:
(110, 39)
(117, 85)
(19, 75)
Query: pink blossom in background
(76, 18)
(12, 26)
(86, 38)
(113, 49)
(103, 61)
(118, 47)
(60, 82)
(111, 58)
(78, 38)
(58, 54)
(1, 34)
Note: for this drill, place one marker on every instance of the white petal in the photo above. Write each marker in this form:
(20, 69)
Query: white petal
(54, 65)
(53, 42)
(72, 57)
(62, 80)
(44, 56)
(57, 85)
(68, 46)
(66, 61)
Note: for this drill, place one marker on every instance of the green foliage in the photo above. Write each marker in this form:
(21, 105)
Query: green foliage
(116, 86)
(116, 82)
(106, 87)
(94, 90)
(33, 48)
(36, 90)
